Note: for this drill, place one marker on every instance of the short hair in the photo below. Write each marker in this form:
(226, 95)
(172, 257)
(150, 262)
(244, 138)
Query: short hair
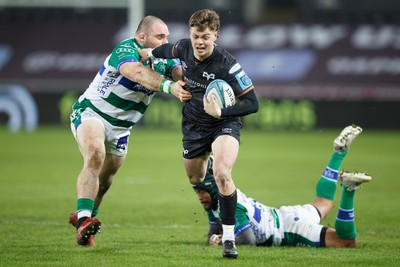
(205, 18)
(146, 23)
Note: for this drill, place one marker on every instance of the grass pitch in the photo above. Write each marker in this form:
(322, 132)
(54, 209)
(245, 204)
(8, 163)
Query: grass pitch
(151, 217)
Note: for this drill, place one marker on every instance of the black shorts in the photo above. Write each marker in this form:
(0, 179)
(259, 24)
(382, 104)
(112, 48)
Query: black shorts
(197, 139)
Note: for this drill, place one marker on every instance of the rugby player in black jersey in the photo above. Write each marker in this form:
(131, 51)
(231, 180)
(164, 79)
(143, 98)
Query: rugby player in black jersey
(206, 128)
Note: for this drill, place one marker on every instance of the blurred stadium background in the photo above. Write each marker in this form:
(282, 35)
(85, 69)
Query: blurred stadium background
(315, 63)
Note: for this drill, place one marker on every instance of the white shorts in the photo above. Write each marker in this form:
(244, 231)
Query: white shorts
(301, 226)
(117, 138)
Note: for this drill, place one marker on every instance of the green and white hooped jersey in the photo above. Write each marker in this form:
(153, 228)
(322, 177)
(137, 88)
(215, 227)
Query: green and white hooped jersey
(263, 220)
(118, 100)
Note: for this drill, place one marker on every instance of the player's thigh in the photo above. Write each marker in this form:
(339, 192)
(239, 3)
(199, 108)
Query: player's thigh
(90, 136)
(196, 168)
(225, 149)
(301, 225)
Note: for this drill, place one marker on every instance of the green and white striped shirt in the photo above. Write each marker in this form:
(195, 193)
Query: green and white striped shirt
(117, 99)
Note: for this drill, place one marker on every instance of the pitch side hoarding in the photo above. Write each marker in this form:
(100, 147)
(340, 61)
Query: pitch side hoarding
(324, 63)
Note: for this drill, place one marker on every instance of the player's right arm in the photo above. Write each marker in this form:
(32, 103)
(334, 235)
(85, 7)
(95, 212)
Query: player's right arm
(137, 72)
(214, 231)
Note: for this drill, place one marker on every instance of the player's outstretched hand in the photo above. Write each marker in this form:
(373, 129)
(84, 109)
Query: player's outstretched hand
(179, 92)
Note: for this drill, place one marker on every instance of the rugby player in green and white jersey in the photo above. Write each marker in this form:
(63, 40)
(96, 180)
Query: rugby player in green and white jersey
(261, 225)
(105, 113)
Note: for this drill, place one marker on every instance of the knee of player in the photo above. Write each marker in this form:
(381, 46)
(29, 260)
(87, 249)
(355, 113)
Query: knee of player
(222, 175)
(223, 180)
(195, 179)
(95, 158)
(351, 243)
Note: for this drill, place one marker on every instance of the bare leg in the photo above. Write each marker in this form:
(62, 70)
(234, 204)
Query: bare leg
(111, 165)
(196, 168)
(90, 138)
(225, 150)
(332, 240)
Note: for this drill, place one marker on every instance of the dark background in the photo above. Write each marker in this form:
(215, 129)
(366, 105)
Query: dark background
(343, 56)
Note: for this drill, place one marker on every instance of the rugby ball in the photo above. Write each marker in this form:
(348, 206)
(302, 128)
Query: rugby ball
(222, 92)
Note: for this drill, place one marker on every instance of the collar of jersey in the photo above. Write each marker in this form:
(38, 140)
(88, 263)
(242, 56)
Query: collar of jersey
(137, 44)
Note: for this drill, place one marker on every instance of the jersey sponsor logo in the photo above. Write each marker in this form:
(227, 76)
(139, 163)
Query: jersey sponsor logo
(226, 130)
(136, 87)
(108, 80)
(235, 68)
(140, 88)
(192, 84)
(128, 45)
(113, 74)
(243, 80)
(208, 76)
(123, 50)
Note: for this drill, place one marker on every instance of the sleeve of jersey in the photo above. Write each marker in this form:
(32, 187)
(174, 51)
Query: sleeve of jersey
(215, 227)
(245, 105)
(121, 55)
(164, 51)
(242, 221)
(246, 238)
(211, 218)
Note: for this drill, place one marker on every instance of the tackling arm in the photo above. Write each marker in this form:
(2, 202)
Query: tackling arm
(137, 72)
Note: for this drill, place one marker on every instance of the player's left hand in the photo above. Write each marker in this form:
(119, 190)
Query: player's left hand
(211, 107)
(179, 91)
(215, 240)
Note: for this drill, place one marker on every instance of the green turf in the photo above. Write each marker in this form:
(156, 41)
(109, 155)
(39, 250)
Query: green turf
(151, 217)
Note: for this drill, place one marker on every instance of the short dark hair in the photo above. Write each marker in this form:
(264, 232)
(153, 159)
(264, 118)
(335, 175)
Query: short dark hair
(205, 18)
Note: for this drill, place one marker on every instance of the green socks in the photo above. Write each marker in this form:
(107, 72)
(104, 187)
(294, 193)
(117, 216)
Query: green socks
(95, 212)
(84, 207)
(327, 184)
(344, 224)
(86, 204)
(326, 188)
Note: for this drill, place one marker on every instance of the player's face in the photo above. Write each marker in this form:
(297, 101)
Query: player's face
(204, 198)
(157, 35)
(202, 42)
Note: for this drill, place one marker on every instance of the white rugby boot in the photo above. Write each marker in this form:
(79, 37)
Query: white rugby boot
(353, 180)
(346, 137)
